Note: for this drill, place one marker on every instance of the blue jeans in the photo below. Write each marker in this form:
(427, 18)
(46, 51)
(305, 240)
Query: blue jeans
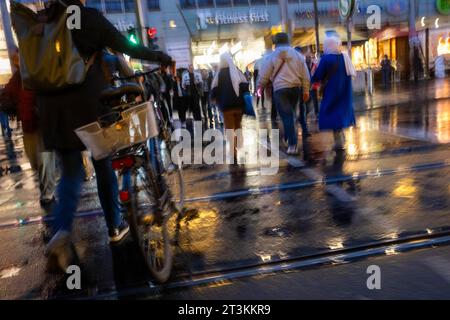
(314, 99)
(286, 101)
(4, 122)
(69, 190)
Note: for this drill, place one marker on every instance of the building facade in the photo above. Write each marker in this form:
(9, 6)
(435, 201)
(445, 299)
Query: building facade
(197, 31)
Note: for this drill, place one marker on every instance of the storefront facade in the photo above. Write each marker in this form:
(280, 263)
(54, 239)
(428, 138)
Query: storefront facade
(197, 31)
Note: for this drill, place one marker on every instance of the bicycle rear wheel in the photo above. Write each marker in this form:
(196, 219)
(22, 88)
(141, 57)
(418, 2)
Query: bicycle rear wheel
(151, 233)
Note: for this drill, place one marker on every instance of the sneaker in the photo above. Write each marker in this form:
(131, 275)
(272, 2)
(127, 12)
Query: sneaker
(292, 150)
(45, 203)
(117, 234)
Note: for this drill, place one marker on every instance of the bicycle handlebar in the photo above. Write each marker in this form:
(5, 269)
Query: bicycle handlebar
(136, 75)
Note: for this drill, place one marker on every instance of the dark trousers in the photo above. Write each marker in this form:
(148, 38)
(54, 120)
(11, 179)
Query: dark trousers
(168, 99)
(302, 118)
(164, 110)
(286, 101)
(182, 108)
(206, 108)
(194, 107)
(386, 78)
(315, 100)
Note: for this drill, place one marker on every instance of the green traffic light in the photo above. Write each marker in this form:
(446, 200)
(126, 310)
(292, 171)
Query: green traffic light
(133, 39)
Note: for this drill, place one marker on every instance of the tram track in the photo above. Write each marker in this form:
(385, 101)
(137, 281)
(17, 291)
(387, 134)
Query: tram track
(19, 222)
(428, 239)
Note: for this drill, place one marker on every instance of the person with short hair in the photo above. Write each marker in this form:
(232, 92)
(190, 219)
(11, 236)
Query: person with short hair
(287, 70)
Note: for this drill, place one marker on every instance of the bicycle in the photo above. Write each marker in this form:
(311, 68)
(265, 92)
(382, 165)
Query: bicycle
(153, 190)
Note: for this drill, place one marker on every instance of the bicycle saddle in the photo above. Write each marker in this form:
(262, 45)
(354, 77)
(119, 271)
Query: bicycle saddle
(128, 88)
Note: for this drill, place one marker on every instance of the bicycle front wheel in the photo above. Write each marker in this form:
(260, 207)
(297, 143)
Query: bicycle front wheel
(149, 225)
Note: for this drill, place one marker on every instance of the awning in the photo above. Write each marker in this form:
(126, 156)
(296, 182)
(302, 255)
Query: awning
(392, 32)
(304, 38)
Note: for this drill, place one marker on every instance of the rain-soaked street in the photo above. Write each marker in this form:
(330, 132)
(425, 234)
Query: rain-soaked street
(313, 227)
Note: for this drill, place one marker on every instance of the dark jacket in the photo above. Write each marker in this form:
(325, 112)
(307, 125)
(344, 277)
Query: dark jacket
(224, 94)
(168, 80)
(63, 112)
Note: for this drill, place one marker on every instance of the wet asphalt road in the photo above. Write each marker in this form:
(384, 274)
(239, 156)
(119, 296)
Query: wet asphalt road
(391, 186)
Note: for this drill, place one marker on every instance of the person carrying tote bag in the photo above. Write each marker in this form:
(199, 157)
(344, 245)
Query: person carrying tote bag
(228, 90)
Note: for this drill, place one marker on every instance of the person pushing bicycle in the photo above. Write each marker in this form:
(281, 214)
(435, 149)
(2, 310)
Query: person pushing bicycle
(64, 111)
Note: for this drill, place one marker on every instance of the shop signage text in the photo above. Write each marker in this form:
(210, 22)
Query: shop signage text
(225, 17)
(346, 8)
(323, 12)
(124, 26)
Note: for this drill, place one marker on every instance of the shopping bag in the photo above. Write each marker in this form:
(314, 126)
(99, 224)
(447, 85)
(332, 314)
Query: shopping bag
(248, 105)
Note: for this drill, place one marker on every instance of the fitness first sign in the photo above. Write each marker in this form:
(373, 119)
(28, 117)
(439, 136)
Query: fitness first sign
(229, 17)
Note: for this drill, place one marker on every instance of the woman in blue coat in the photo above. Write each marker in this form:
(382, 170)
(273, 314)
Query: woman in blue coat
(335, 71)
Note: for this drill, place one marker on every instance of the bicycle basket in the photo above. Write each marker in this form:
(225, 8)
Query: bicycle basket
(137, 125)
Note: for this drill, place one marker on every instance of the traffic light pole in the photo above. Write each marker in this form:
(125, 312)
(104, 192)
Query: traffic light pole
(141, 19)
(7, 29)
(316, 27)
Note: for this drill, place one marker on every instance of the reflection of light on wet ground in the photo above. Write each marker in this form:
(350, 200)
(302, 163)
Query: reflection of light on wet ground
(352, 149)
(360, 140)
(336, 244)
(391, 251)
(9, 273)
(265, 257)
(204, 218)
(200, 229)
(443, 122)
(393, 120)
(220, 283)
(393, 235)
(405, 188)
